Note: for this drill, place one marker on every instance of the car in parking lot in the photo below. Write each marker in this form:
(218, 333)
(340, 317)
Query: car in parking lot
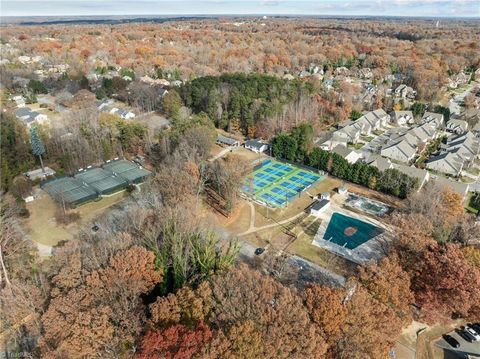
(472, 332)
(475, 326)
(465, 335)
(451, 340)
(259, 251)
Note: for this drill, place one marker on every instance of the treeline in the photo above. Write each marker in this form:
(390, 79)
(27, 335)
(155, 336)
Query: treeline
(154, 282)
(242, 100)
(16, 155)
(295, 146)
(86, 139)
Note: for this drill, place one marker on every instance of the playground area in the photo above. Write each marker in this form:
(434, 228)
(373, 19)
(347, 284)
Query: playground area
(275, 184)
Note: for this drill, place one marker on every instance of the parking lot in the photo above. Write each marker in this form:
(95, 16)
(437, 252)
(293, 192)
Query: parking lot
(465, 348)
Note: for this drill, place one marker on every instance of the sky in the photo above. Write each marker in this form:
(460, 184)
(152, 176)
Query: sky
(431, 8)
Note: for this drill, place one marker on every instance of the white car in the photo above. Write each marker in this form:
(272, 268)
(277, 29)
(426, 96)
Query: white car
(473, 333)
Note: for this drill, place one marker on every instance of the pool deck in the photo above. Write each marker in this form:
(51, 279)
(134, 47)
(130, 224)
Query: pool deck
(372, 249)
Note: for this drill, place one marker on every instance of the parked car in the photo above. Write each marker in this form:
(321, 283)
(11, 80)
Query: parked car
(259, 251)
(451, 340)
(475, 326)
(473, 333)
(465, 335)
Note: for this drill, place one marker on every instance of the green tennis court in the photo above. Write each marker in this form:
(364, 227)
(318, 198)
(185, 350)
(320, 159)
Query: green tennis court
(276, 184)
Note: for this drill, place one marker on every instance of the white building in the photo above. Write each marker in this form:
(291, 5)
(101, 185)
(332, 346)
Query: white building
(256, 146)
(319, 207)
(350, 155)
(19, 101)
(457, 126)
(402, 118)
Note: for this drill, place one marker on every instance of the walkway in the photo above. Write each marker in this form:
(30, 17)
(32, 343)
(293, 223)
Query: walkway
(223, 153)
(254, 229)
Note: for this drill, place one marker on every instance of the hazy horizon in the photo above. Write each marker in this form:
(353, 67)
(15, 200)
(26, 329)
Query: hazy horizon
(393, 8)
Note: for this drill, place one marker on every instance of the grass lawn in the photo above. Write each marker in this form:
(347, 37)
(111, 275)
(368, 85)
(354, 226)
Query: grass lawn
(216, 149)
(367, 138)
(249, 155)
(43, 228)
(466, 179)
(474, 171)
(356, 146)
(328, 184)
(468, 207)
(304, 248)
(239, 219)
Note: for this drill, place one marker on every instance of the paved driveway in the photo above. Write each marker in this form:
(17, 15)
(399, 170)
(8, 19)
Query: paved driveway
(465, 347)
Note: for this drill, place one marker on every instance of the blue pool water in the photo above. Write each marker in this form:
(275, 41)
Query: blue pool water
(349, 232)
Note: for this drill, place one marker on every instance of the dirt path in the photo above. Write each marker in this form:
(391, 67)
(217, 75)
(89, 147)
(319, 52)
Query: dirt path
(254, 229)
(251, 227)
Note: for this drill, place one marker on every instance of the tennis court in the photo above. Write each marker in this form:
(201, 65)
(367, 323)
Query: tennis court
(102, 181)
(276, 184)
(69, 190)
(129, 171)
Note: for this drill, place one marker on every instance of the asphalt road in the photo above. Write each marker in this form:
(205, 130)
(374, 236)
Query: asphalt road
(308, 272)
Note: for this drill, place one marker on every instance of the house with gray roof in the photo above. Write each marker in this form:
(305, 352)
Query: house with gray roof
(23, 113)
(379, 162)
(350, 132)
(448, 163)
(350, 155)
(29, 117)
(405, 92)
(457, 126)
(421, 175)
(223, 140)
(331, 140)
(372, 121)
(436, 119)
(459, 187)
(401, 151)
(402, 118)
(467, 146)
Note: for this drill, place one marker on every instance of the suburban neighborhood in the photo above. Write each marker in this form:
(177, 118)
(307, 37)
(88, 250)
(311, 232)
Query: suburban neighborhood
(240, 185)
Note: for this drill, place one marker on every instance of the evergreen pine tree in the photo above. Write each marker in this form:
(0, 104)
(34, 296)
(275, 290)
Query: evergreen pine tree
(38, 148)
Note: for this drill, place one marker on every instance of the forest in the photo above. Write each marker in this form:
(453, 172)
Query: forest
(161, 277)
(298, 146)
(165, 284)
(214, 46)
(241, 101)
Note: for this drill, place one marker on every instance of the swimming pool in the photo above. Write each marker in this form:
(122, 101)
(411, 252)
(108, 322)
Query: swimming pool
(349, 232)
(367, 205)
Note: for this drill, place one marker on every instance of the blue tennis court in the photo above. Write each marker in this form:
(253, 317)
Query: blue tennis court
(292, 186)
(274, 172)
(281, 192)
(270, 198)
(259, 183)
(266, 177)
(305, 183)
(276, 183)
(309, 176)
(282, 167)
